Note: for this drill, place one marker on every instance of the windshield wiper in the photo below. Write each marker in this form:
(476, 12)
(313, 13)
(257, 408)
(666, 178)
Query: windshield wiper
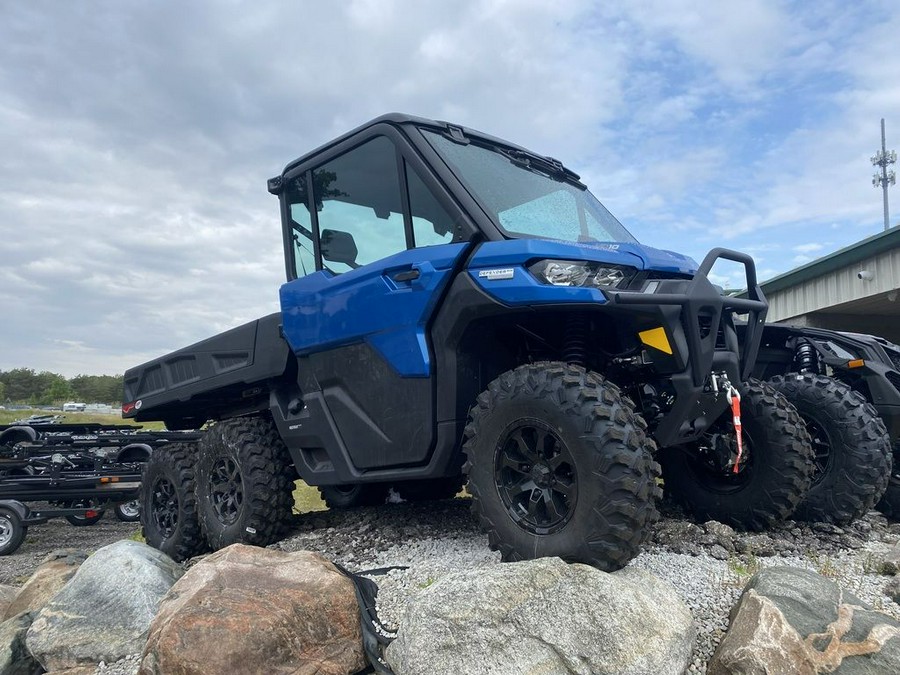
(547, 166)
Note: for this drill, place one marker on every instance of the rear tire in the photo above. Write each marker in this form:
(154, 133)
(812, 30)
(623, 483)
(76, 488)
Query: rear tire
(559, 464)
(245, 482)
(12, 531)
(851, 446)
(351, 496)
(168, 505)
(775, 469)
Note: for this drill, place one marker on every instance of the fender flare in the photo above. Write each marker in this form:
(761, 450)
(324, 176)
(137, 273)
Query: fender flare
(134, 452)
(17, 434)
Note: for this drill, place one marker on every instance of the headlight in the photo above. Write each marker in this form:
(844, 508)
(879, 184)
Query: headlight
(581, 273)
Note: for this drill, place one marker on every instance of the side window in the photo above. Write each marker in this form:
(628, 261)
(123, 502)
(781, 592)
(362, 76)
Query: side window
(431, 223)
(359, 206)
(301, 227)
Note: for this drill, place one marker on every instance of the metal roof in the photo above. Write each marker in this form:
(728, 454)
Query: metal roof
(879, 243)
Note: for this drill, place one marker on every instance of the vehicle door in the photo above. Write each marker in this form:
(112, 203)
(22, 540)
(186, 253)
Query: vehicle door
(375, 243)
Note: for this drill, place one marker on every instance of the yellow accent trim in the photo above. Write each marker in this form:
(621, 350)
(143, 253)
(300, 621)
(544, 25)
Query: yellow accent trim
(856, 363)
(656, 338)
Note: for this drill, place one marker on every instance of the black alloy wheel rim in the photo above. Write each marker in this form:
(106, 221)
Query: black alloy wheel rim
(535, 474)
(227, 490)
(164, 507)
(821, 445)
(715, 475)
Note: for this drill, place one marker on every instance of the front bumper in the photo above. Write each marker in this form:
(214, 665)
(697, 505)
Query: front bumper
(698, 320)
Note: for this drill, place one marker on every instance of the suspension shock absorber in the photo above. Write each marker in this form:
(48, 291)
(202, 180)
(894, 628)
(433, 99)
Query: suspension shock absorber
(806, 358)
(576, 341)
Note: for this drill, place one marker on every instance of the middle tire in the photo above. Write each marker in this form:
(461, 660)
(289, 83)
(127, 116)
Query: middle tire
(244, 483)
(430, 489)
(853, 455)
(559, 464)
(353, 495)
(774, 472)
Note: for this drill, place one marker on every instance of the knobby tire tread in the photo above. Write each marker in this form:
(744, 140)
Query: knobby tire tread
(774, 490)
(177, 460)
(860, 468)
(268, 478)
(621, 461)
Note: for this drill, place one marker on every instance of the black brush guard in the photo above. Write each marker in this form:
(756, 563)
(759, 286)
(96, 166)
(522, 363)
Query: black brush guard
(701, 323)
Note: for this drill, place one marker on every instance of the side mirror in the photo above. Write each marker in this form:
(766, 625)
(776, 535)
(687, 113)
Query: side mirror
(337, 246)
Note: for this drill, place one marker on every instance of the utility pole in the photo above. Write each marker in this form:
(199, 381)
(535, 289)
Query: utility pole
(885, 178)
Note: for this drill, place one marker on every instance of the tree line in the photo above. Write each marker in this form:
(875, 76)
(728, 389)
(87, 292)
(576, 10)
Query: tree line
(26, 387)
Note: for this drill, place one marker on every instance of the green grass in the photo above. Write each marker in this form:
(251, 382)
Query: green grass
(744, 566)
(8, 416)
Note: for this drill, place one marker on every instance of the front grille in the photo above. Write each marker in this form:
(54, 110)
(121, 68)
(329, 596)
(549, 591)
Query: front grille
(894, 379)
(705, 324)
(894, 356)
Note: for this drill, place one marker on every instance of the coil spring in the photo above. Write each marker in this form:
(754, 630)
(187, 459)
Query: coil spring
(806, 358)
(576, 342)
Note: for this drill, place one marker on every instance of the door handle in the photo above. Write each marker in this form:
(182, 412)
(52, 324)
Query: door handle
(406, 275)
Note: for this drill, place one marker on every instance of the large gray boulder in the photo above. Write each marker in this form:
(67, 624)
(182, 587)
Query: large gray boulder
(7, 595)
(48, 579)
(791, 620)
(104, 612)
(14, 657)
(247, 609)
(545, 616)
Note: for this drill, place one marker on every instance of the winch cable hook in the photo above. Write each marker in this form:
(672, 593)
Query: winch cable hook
(733, 397)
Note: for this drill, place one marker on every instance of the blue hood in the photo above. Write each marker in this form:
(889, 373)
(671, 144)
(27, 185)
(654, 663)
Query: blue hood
(520, 251)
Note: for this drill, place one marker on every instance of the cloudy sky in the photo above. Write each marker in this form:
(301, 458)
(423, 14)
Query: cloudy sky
(136, 137)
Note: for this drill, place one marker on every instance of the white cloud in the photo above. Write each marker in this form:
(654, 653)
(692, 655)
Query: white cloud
(138, 137)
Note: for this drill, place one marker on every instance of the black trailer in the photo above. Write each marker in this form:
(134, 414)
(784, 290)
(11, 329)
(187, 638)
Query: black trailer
(73, 471)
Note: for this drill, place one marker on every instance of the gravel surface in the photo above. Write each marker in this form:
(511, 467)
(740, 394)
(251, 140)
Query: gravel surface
(707, 563)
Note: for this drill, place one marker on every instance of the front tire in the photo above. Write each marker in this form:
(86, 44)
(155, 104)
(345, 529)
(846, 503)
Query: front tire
(773, 475)
(851, 445)
(245, 482)
(167, 502)
(559, 464)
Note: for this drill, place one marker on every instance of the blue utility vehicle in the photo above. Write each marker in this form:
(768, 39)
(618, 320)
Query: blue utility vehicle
(459, 309)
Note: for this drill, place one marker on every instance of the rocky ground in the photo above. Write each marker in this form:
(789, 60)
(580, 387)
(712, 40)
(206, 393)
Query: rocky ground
(708, 563)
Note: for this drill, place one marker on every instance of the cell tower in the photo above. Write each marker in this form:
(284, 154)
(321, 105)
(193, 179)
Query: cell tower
(885, 177)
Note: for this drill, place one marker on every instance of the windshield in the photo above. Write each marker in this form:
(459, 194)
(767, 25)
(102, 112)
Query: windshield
(529, 196)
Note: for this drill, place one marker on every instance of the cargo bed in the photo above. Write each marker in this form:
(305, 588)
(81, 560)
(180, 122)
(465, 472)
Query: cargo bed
(191, 385)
